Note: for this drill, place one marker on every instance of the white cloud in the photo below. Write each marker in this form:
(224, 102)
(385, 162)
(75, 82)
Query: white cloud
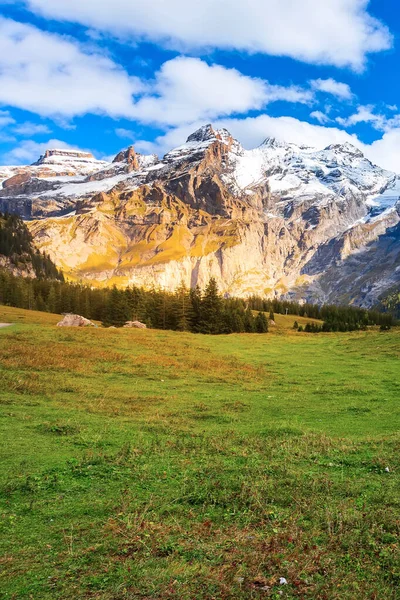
(5, 121)
(188, 89)
(331, 86)
(5, 118)
(28, 151)
(125, 134)
(320, 117)
(386, 151)
(171, 139)
(336, 32)
(52, 76)
(252, 131)
(55, 77)
(31, 129)
(366, 114)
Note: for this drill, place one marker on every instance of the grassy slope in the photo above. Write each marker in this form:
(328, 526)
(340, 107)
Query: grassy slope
(147, 464)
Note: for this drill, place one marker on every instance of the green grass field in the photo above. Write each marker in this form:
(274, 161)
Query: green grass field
(161, 465)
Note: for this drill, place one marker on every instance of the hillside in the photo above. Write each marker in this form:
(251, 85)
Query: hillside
(279, 220)
(391, 302)
(150, 464)
(18, 254)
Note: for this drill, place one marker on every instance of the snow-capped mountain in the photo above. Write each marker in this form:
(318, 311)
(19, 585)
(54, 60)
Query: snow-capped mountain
(296, 173)
(273, 220)
(55, 163)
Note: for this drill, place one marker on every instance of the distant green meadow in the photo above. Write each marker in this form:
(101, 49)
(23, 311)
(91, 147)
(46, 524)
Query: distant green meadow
(162, 465)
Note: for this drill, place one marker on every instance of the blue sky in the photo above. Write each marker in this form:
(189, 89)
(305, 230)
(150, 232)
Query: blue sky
(103, 74)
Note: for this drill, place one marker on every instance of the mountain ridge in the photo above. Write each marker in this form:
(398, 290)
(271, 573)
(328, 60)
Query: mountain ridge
(275, 220)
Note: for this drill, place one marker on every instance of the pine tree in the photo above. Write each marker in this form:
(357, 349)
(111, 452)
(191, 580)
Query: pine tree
(211, 309)
(196, 304)
(52, 300)
(261, 323)
(184, 310)
(117, 309)
(249, 323)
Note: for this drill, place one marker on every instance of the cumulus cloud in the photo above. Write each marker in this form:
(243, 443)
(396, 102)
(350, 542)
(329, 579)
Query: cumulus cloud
(126, 134)
(170, 139)
(386, 151)
(29, 151)
(51, 75)
(55, 77)
(320, 117)
(251, 132)
(335, 32)
(333, 87)
(188, 89)
(366, 114)
(5, 121)
(5, 118)
(30, 129)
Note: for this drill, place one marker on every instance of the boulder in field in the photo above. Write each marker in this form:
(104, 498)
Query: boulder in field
(135, 324)
(71, 320)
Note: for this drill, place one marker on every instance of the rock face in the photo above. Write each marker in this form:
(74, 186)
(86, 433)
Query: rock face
(279, 220)
(71, 320)
(25, 270)
(128, 156)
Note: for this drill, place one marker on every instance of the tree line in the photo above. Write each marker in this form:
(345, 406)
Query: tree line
(335, 318)
(183, 310)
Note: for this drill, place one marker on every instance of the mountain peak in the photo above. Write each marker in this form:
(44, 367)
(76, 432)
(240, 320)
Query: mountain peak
(64, 155)
(270, 141)
(128, 155)
(207, 133)
(345, 147)
(203, 134)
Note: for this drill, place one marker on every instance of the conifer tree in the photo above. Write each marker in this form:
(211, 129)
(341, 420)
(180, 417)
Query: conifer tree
(261, 323)
(117, 309)
(211, 309)
(196, 309)
(249, 323)
(184, 311)
(238, 322)
(52, 300)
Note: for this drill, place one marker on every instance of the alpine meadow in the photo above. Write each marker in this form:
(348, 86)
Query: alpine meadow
(199, 300)
(155, 464)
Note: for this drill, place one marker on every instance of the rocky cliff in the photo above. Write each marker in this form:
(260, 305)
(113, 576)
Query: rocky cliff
(277, 220)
